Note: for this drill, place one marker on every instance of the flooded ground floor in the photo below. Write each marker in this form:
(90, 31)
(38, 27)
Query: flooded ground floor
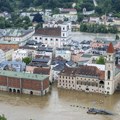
(59, 104)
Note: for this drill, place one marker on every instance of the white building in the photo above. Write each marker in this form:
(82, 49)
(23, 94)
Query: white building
(53, 37)
(64, 53)
(20, 54)
(66, 14)
(69, 17)
(93, 78)
(18, 35)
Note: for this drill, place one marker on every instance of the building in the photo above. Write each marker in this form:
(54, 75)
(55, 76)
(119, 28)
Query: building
(66, 14)
(13, 65)
(20, 82)
(2, 55)
(45, 51)
(19, 36)
(9, 45)
(64, 53)
(53, 36)
(8, 53)
(20, 54)
(91, 78)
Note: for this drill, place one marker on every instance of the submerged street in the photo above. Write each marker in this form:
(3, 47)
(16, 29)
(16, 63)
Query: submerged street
(60, 104)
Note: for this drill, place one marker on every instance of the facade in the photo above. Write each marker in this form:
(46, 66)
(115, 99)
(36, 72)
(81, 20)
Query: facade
(8, 53)
(64, 53)
(20, 54)
(91, 78)
(10, 45)
(18, 35)
(2, 55)
(13, 65)
(49, 36)
(19, 82)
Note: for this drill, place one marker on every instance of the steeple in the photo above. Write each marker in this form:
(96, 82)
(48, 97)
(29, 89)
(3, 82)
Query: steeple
(110, 48)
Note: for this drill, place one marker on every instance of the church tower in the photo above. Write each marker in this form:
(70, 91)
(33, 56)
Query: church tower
(110, 70)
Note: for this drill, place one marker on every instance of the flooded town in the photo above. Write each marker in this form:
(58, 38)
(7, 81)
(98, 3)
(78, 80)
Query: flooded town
(58, 104)
(59, 59)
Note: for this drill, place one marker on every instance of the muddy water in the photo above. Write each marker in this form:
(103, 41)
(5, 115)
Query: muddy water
(79, 36)
(58, 105)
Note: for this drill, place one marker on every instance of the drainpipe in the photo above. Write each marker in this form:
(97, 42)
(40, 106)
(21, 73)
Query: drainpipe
(7, 85)
(20, 85)
(41, 87)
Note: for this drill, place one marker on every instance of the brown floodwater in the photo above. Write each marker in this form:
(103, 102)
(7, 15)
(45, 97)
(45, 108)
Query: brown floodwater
(59, 104)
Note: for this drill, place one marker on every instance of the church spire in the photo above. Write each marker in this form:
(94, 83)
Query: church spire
(110, 48)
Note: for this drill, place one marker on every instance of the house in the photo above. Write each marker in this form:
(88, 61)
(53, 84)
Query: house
(53, 36)
(20, 54)
(49, 36)
(13, 65)
(8, 53)
(64, 25)
(71, 11)
(19, 36)
(64, 53)
(69, 14)
(43, 71)
(93, 78)
(45, 51)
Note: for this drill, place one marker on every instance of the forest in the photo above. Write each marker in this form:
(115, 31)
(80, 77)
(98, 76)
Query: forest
(104, 6)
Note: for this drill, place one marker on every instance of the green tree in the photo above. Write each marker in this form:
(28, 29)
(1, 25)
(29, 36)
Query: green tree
(117, 37)
(101, 60)
(2, 117)
(27, 60)
(80, 17)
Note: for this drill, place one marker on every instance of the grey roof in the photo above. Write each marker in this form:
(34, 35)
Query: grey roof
(44, 60)
(58, 68)
(45, 49)
(70, 63)
(23, 75)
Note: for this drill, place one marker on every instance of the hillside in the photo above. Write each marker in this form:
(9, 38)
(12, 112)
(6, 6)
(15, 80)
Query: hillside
(104, 6)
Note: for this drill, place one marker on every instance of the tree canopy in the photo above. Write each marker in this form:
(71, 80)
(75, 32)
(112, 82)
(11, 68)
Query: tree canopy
(2, 117)
(27, 60)
(101, 60)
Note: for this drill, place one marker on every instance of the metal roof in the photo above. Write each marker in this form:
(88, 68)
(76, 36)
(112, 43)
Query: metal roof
(23, 75)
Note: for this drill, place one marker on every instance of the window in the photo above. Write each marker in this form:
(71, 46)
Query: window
(63, 28)
(46, 39)
(108, 74)
(40, 38)
(56, 39)
(108, 88)
(63, 34)
(35, 37)
(51, 39)
(77, 82)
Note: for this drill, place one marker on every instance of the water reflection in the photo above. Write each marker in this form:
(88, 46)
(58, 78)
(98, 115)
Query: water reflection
(58, 105)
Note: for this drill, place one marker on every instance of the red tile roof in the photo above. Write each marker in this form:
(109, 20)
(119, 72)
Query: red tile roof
(43, 71)
(110, 48)
(49, 31)
(84, 70)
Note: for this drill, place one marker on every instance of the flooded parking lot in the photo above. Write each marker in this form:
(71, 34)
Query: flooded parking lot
(58, 105)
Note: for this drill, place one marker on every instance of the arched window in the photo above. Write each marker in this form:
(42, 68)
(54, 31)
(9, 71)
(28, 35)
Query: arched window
(108, 74)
